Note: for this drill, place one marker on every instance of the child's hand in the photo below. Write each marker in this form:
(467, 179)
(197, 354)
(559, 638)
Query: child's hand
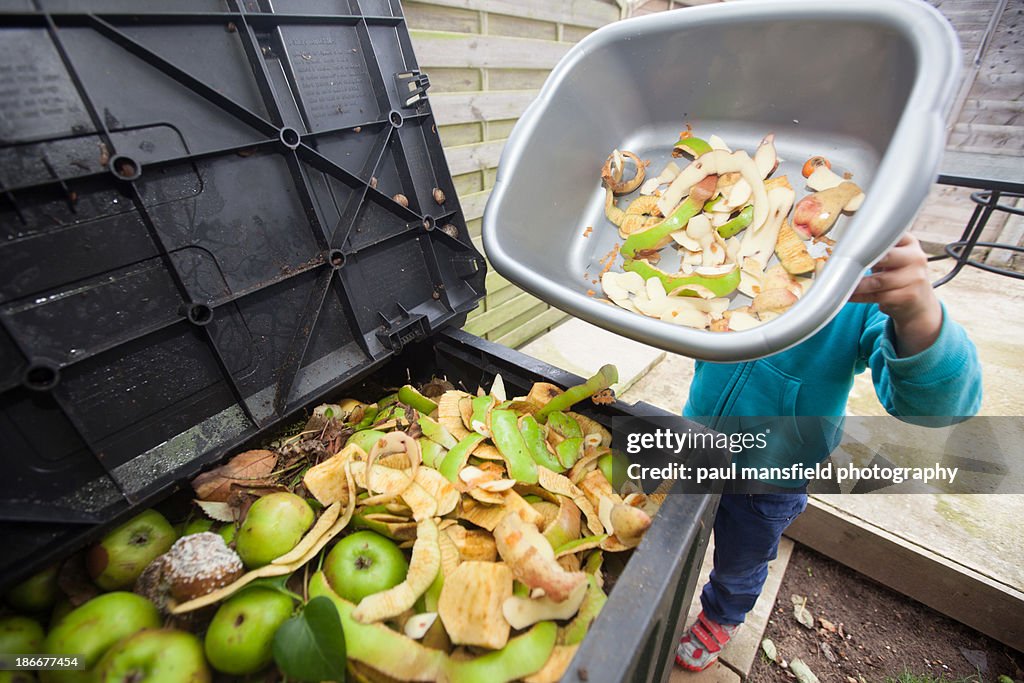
(900, 285)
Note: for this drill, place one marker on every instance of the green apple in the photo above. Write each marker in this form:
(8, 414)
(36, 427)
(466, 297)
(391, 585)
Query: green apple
(60, 610)
(36, 593)
(17, 677)
(228, 533)
(241, 633)
(91, 629)
(364, 563)
(117, 560)
(614, 465)
(197, 526)
(21, 636)
(274, 525)
(159, 656)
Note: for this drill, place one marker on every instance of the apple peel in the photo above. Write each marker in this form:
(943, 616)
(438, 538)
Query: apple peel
(554, 669)
(522, 612)
(326, 481)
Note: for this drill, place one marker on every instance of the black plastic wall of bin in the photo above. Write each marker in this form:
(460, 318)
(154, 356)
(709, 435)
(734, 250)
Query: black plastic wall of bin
(201, 233)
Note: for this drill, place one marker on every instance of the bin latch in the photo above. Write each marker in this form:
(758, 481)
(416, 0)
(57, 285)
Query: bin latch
(396, 334)
(412, 86)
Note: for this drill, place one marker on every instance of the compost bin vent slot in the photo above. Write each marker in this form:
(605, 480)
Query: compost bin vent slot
(466, 266)
(395, 335)
(412, 86)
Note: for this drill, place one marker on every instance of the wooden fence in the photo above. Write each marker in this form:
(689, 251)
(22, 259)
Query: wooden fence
(486, 60)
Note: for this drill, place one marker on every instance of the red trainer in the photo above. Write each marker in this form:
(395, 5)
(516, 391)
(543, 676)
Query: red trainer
(700, 646)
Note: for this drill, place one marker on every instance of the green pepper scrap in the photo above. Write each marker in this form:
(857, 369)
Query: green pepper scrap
(568, 451)
(533, 435)
(457, 457)
(614, 465)
(737, 224)
(369, 417)
(431, 452)
(604, 378)
(482, 406)
(657, 236)
(510, 443)
(411, 397)
(721, 285)
(564, 425)
(589, 541)
(692, 146)
(436, 432)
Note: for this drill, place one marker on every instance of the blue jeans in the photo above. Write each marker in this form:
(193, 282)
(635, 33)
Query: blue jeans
(747, 532)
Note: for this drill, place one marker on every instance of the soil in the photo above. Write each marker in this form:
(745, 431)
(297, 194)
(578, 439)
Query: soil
(879, 634)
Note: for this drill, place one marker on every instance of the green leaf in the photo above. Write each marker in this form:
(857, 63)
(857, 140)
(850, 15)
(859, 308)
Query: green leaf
(311, 645)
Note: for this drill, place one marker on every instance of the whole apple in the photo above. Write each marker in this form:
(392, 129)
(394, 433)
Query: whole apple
(158, 656)
(364, 563)
(274, 525)
(36, 593)
(240, 637)
(117, 560)
(91, 629)
(21, 636)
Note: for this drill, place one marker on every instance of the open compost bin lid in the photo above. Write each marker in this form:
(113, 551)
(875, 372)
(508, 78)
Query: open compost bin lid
(212, 215)
(867, 85)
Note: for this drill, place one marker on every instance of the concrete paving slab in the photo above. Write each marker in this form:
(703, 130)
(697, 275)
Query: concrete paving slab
(716, 673)
(739, 655)
(666, 385)
(579, 347)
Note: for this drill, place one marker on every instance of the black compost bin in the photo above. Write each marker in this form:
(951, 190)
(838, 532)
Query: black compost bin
(214, 214)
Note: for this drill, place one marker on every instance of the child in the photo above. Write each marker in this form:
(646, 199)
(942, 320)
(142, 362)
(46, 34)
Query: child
(922, 364)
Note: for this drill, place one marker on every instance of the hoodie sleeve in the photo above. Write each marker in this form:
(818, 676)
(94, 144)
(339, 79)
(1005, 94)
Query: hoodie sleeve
(944, 380)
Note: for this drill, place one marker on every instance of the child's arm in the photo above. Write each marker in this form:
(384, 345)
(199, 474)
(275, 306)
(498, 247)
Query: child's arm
(922, 363)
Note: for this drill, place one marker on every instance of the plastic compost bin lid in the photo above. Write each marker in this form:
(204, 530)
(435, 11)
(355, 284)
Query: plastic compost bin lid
(874, 101)
(201, 232)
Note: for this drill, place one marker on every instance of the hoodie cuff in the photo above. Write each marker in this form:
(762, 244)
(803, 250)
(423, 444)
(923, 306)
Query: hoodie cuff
(945, 358)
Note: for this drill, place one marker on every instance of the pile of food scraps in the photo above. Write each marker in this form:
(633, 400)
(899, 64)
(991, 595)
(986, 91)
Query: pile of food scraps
(726, 215)
(432, 535)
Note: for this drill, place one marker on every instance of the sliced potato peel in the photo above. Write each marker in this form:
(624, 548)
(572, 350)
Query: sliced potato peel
(471, 603)
(532, 558)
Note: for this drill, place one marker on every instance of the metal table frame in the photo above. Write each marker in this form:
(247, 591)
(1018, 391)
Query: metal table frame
(997, 177)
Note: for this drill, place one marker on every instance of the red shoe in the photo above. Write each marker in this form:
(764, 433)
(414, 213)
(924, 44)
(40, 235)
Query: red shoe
(700, 646)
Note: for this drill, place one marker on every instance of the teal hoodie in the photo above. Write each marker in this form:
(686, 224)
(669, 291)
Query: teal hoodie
(815, 377)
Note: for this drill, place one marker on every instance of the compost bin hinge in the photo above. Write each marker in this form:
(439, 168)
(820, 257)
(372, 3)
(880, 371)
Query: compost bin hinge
(412, 86)
(396, 334)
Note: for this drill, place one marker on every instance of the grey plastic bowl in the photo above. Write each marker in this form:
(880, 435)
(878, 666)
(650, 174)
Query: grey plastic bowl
(867, 84)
